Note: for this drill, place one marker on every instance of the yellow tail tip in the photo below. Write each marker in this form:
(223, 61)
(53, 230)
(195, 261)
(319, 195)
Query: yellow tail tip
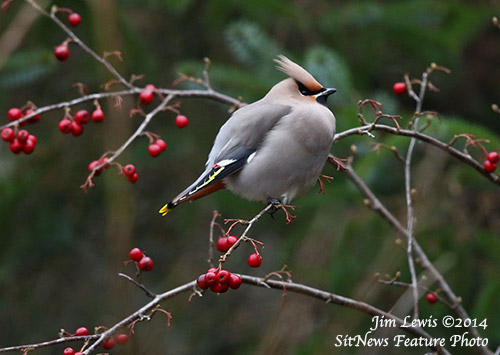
(164, 210)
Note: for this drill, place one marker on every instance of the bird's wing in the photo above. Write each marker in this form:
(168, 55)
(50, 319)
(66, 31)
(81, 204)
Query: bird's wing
(235, 145)
(246, 128)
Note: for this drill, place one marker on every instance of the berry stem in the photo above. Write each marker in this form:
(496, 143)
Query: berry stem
(134, 135)
(77, 40)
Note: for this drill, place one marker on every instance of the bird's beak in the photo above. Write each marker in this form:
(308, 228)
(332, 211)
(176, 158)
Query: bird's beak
(328, 92)
(323, 95)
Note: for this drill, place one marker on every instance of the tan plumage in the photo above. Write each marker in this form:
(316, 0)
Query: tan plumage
(274, 148)
(293, 70)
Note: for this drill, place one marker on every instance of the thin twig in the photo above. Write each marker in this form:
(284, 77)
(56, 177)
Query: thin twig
(244, 236)
(410, 217)
(138, 284)
(49, 343)
(211, 242)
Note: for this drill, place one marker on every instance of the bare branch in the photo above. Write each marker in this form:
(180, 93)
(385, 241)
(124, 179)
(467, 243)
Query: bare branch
(464, 158)
(378, 207)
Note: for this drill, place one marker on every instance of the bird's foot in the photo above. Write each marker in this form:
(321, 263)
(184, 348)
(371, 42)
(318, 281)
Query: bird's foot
(277, 204)
(321, 184)
(338, 161)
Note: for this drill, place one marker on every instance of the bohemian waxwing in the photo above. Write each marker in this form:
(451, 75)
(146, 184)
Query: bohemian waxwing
(273, 149)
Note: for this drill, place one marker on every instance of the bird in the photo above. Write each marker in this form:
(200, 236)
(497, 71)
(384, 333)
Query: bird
(272, 149)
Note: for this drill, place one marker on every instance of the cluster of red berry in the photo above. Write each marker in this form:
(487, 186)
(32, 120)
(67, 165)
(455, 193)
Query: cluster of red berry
(147, 96)
(157, 147)
(94, 164)
(61, 52)
(129, 171)
(119, 339)
(145, 263)
(20, 140)
(74, 124)
(225, 243)
(490, 164)
(218, 280)
(106, 344)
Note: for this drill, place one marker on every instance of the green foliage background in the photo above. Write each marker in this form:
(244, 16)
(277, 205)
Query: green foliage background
(61, 249)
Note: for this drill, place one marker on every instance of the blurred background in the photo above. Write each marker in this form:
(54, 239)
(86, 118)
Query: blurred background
(61, 248)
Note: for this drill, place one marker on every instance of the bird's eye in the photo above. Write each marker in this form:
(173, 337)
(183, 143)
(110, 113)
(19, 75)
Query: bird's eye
(305, 91)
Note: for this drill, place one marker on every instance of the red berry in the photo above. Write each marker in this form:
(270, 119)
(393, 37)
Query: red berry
(82, 117)
(219, 287)
(74, 19)
(222, 245)
(211, 278)
(234, 281)
(161, 143)
(108, 343)
(94, 164)
(76, 128)
(33, 119)
(61, 52)
(200, 281)
(493, 157)
(181, 121)
(98, 115)
(254, 260)
(399, 88)
(213, 269)
(22, 135)
(146, 97)
(133, 178)
(154, 150)
(135, 254)
(121, 338)
(14, 114)
(489, 166)
(432, 297)
(8, 134)
(223, 276)
(15, 146)
(69, 351)
(29, 145)
(105, 161)
(146, 264)
(65, 125)
(129, 170)
(150, 87)
(82, 331)
(32, 137)
(231, 240)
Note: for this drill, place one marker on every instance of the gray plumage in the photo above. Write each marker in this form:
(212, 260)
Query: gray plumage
(274, 148)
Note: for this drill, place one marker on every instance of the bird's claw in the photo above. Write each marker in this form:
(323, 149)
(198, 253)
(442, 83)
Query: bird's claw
(277, 204)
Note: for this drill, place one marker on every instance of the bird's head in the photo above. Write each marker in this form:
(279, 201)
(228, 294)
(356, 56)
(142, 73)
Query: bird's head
(303, 82)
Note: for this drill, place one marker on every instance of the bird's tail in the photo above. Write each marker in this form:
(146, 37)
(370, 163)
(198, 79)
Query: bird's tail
(206, 184)
(166, 209)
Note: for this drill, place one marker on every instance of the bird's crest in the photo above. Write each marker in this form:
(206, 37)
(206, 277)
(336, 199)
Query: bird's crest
(298, 73)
